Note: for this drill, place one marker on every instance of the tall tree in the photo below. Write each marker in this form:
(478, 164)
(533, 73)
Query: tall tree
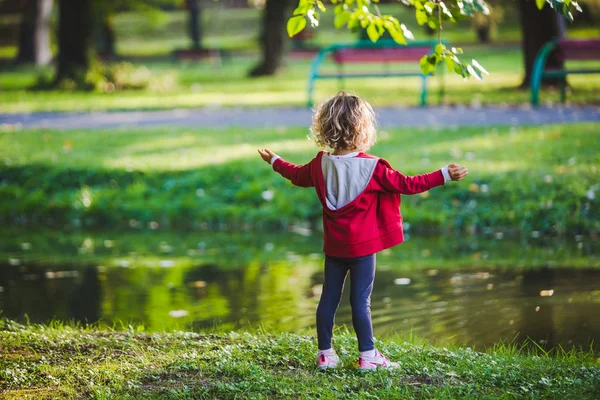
(104, 33)
(538, 27)
(74, 38)
(75, 30)
(272, 36)
(104, 12)
(195, 22)
(34, 33)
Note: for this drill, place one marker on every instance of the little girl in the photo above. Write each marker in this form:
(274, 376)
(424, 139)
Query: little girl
(360, 196)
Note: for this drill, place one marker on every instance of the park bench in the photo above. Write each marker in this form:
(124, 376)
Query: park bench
(568, 50)
(384, 52)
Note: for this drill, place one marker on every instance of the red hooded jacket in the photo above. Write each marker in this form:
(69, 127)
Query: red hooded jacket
(372, 221)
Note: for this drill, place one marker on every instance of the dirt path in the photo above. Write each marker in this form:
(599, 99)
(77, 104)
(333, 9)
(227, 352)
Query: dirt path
(268, 117)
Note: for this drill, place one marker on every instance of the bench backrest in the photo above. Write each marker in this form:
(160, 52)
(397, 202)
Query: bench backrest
(569, 49)
(380, 55)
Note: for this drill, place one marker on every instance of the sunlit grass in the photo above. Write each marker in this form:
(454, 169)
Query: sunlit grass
(521, 179)
(498, 149)
(172, 157)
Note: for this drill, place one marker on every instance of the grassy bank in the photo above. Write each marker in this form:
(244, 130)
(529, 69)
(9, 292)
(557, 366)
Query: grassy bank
(532, 180)
(61, 361)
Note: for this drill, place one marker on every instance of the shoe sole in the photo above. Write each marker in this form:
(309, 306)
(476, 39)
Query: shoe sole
(324, 367)
(378, 367)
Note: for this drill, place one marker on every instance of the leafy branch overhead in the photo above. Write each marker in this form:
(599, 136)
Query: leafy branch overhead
(365, 14)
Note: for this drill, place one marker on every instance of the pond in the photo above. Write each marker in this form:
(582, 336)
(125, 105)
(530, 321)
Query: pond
(477, 291)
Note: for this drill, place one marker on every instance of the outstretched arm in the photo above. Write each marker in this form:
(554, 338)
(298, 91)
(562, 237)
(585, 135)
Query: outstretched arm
(299, 175)
(390, 180)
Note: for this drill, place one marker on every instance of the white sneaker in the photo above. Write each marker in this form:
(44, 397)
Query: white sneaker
(379, 360)
(325, 361)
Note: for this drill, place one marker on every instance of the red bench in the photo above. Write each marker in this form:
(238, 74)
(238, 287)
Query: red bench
(567, 50)
(385, 53)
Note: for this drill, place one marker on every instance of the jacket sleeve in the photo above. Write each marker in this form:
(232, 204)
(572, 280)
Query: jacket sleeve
(387, 179)
(299, 175)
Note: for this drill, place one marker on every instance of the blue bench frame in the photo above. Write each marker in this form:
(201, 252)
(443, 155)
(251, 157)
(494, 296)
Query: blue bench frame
(318, 60)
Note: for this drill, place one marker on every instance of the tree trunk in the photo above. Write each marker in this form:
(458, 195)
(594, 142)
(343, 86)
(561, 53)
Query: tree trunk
(74, 34)
(483, 26)
(195, 23)
(538, 27)
(26, 52)
(483, 34)
(43, 53)
(34, 33)
(104, 37)
(272, 37)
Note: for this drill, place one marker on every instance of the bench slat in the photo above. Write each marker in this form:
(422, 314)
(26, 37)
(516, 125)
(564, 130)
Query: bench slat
(588, 49)
(368, 75)
(383, 55)
(549, 73)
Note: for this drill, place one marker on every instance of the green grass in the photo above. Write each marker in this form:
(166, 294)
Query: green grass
(61, 361)
(522, 180)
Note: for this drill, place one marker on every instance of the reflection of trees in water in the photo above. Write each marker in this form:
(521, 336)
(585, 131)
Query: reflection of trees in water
(567, 317)
(25, 292)
(149, 296)
(470, 307)
(85, 298)
(210, 306)
(44, 294)
(209, 296)
(257, 294)
(537, 315)
(126, 294)
(467, 307)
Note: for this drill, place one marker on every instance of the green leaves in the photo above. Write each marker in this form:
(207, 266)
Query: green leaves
(421, 16)
(566, 7)
(442, 54)
(358, 14)
(305, 9)
(397, 31)
(428, 63)
(373, 32)
(295, 25)
(341, 19)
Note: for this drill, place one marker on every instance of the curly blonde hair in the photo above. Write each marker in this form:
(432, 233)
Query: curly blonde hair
(344, 122)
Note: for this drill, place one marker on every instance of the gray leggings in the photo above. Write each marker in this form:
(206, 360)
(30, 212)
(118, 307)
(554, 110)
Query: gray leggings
(362, 274)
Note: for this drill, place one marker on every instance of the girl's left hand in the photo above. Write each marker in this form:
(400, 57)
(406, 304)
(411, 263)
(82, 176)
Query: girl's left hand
(266, 155)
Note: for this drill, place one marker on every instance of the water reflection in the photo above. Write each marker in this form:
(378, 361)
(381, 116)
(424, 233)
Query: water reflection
(474, 307)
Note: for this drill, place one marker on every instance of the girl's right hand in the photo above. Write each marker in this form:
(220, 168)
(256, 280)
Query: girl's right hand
(457, 172)
(266, 155)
